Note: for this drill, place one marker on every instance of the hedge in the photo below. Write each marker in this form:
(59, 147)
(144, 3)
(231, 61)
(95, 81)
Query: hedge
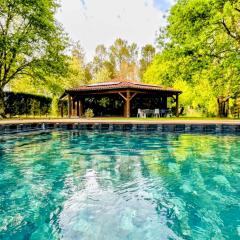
(27, 104)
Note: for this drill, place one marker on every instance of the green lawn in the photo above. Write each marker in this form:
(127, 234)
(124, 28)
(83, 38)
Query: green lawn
(122, 118)
(165, 118)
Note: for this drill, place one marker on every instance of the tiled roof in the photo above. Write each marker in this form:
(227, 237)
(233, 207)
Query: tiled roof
(114, 84)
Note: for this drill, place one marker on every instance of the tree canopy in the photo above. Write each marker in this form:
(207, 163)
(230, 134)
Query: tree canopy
(32, 43)
(200, 53)
(121, 59)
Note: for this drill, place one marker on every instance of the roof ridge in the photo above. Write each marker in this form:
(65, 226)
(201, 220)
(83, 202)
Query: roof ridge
(123, 85)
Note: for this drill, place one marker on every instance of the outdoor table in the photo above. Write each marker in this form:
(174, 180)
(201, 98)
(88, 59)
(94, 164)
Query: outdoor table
(163, 112)
(148, 112)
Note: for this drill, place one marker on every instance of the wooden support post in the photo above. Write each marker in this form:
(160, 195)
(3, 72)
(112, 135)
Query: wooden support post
(69, 106)
(81, 107)
(127, 103)
(73, 107)
(78, 109)
(164, 102)
(127, 107)
(62, 109)
(177, 106)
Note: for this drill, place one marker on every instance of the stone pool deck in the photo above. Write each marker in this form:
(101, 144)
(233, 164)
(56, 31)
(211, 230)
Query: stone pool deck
(120, 121)
(163, 125)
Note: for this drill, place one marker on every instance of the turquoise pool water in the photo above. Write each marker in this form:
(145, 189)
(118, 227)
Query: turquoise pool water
(109, 186)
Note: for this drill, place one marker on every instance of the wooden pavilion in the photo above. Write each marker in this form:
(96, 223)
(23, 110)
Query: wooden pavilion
(126, 97)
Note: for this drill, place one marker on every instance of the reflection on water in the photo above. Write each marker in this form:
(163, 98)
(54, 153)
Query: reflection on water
(88, 185)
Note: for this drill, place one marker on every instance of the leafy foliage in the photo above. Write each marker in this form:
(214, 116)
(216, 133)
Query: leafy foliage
(18, 104)
(31, 42)
(120, 60)
(147, 55)
(54, 86)
(200, 53)
(89, 113)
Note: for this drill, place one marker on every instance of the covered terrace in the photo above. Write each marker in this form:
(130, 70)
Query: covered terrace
(120, 98)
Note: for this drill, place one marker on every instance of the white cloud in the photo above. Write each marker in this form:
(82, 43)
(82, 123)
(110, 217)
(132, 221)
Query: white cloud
(94, 22)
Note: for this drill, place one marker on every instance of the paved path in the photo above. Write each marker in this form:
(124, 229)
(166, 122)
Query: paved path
(121, 121)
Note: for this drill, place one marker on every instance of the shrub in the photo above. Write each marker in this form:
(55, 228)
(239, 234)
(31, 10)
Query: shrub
(18, 104)
(89, 113)
(55, 107)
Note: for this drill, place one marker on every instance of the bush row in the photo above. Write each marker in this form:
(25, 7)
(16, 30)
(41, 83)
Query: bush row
(17, 104)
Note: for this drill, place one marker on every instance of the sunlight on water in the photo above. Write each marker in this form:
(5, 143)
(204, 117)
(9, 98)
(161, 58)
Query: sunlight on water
(109, 186)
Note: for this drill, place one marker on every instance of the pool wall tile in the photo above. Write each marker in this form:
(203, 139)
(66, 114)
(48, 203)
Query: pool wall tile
(117, 127)
(228, 128)
(197, 128)
(134, 127)
(209, 128)
(179, 128)
(237, 129)
(187, 128)
(104, 126)
(168, 128)
(218, 128)
(159, 128)
(141, 127)
(127, 127)
(151, 127)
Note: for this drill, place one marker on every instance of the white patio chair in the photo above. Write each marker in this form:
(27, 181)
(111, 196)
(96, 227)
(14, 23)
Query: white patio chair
(156, 113)
(140, 113)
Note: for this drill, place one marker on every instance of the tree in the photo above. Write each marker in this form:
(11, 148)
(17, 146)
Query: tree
(102, 75)
(102, 68)
(100, 58)
(119, 53)
(53, 86)
(120, 60)
(209, 30)
(147, 55)
(31, 42)
(124, 58)
(201, 45)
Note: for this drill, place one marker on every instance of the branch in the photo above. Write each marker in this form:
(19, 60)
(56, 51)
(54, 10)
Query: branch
(229, 32)
(15, 50)
(237, 9)
(1, 26)
(18, 71)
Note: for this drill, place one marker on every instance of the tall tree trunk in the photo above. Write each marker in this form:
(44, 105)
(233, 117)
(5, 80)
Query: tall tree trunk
(2, 104)
(223, 106)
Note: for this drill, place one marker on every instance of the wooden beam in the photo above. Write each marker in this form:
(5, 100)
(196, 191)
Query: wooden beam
(74, 97)
(133, 96)
(78, 109)
(177, 106)
(122, 96)
(69, 106)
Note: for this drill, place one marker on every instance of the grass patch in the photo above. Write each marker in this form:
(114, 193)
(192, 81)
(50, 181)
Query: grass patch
(122, 118)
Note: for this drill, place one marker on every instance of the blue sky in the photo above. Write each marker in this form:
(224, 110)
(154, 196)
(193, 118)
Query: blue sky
(163, 5)
(94, 22)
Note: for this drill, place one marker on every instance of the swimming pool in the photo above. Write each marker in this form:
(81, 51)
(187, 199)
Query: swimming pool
(119, 185)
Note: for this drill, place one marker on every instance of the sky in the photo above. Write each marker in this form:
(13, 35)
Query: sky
(94, 22)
